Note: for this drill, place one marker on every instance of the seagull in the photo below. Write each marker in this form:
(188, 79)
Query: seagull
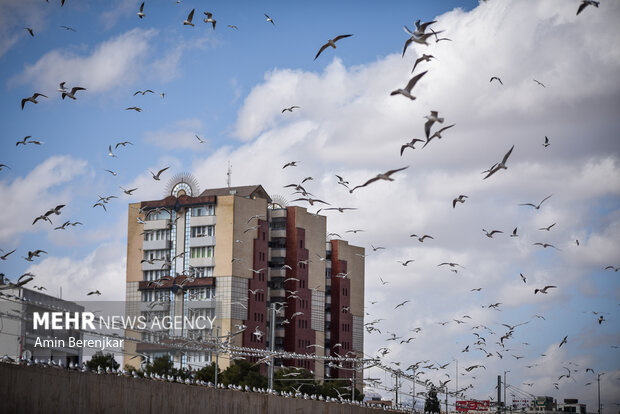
(514, 233)
(32, 99)
(134, 108)
(460, 199)
(143, 92)
(500, 165)
(546, 143)
(437, 134)
(537, 207)
(450, 264)
(290, 108)
(110, 153)
(269, 19)
(425, 57)
(409, 145)
(547, 228)
(42, 217)
(4, 166)
(141, 13)
(405, 263)
(188, 21)
(544, 290)
(201, 141)
(232, 26)
(523, 278)
(35, 253)
(55, 210)
(332, 43)
(69, 28)
(497, 79)
(385, 176)
(491, 233)
(374, 249)
(29, 31)
(156, 176)
(601, 319)
(545, 245)
(122, 144)
(406, 91)
(100, 204)
(586, 3)
(615, 269)
(95, 292)
(563, 341)
(290, 164)
(128, 192)
(112, 172)
(340, 209)
(421, 239)
(538, 82)
(417, 37)
(382, 281)
(210, 19)
(402, 304)
(7, 254)
(311, 200)
(432, 118)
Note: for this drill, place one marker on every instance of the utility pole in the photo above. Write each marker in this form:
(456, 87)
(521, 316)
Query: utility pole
(396, 374)
(446, 391)
(217, 352)
(353, 383)
(414, 380)
(499, 393)
(272, 335)
(505, 401)
(598, 380)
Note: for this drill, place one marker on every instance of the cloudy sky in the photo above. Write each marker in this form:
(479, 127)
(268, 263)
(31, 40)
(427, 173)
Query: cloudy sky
(229, 86)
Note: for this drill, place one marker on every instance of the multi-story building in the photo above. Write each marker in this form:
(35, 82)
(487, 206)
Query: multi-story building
(238, 252)
(19, 338)
(231, 253)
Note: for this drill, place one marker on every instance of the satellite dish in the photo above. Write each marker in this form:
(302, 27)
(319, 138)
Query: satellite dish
(27, 354)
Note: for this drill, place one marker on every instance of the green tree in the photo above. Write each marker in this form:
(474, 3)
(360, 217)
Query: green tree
(103, 361)
(241, 372)
(432, 403)
(206, 373)
(161, 366)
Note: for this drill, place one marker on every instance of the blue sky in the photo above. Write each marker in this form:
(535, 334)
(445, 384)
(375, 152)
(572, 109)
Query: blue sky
(229, 86)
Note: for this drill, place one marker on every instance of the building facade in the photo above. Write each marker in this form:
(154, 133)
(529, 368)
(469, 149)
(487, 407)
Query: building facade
(230, 254)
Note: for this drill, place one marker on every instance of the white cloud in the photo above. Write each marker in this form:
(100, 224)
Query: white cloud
(14, 16)
(116, 62)
(28, 197)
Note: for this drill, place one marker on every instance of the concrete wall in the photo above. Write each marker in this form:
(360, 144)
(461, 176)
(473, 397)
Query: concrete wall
(54, 390)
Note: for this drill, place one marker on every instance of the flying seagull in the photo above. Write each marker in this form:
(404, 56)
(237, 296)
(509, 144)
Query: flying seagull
(547, 228)
(537, 207)
(69, 28)
(563, 341)
(500, 165)
(188, 21)
(290, 108)
(437, 134)
(95, 292)
(72, 93)
(514, 233)
(269, 19)
(431, 119)
(201, 141)
(491, 233)
(134, 108)
(405, 263)
(544, 290)
(143, 92)
(210, 19)
(156, 176)
(332, 43)
(615, 269)
(385, 176)
(128, 192)
(421, 239)
(32, 99)
(460, 199)
(424, 57)
(546, 143)
(497, 79)
(141, 13)
(409, 145)
(586, 3)
(545, 245)
(540, 83)
(29, 31)
(4, 166)
(523, 278)
(406, 91)
(123, 144)
(7, 254)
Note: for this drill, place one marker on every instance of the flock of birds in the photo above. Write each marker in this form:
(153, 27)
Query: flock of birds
(422, 34)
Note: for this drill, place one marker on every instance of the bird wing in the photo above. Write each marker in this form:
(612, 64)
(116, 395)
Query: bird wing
(444, 128)
(406, 29)
(413, 81)
(337, 38)
(190, 16)
(77, 88)
(162, 170)
(581, 7)
(544, 199)
(527, 204)
(395, 171)
(407, 43)
(507, 155)
(321, 50)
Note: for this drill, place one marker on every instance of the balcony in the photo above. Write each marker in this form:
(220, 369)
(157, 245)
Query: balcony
(199, 304)
(156, 245)
(202, 261)
(156, 224)
(277, 252)
(202, 221)
(280, 233)
(277, 293)
(275, 272)
(276, 213)
(157, 265)
(202, 241)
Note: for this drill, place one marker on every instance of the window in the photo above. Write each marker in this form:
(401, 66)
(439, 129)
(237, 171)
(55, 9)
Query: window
(158, 215)
(206, 210)
(200, 293)
(201, 231)
(200, 252)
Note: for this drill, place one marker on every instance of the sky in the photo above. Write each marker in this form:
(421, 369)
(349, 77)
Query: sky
(229, 85)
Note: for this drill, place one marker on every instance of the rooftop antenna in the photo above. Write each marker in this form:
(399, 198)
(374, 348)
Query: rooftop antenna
(228, 174)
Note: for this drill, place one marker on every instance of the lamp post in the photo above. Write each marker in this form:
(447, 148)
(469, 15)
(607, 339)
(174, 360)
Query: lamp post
(598, 380)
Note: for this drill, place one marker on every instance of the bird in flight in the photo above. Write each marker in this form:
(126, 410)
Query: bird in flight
(232, 26)
(547, 228)
(615, 269)
(143, 92)
(32, 99)
(35, 253)
(210, 19)
(545, 245)
(269, 19)
(523, 278)
(134, 108)
(7, 254)
(540, 83)
(69, 28)
(29, 31)
(544, 290)
(200, 140)
(409, 145)
(497, 79)
(385, 176)
(95, 292)
(460, 199)
(401, 304)
(490, 234)
(537, 207)
(332, 43)
(431, 119)
(421, 239)
(25, 141)
(72, 93)
(290, 164)
(4, 166)
(141, 13)
(112, 172)
(188, 21)
(405, 263)
(424, 57)
(290, 108)
(563, 341)
(437, 134)
(406, 91)
(514, 233)
(128, 192)
(500, 165)
(123, 144)
(546, 143)
(156, 176)
(586, 3)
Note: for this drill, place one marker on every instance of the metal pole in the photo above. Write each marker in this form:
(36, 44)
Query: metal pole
(272, 336)
(505, 391)
(499, 393)
(414, 400)
(396, 390)
(353, 384)
(217, 352)
(598, 380)
(446, 390)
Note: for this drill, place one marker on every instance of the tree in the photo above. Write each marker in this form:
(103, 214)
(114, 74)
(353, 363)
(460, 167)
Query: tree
(242, 373)
(206, 373)
(161, 366)
(432, 403)
(103, 361)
